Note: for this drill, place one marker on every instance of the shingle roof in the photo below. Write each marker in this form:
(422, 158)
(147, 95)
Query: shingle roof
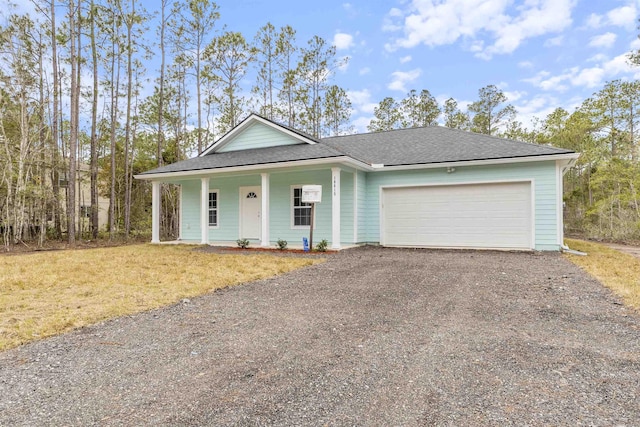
(414, 146)
(433, 144)
(255, 156)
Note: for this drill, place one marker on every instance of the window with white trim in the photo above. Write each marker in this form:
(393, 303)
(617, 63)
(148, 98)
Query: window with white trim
(301, 212)
(213, 208)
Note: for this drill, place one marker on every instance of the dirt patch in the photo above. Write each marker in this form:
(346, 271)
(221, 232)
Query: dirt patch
(270, 251)
(60, 245)
(373, 336)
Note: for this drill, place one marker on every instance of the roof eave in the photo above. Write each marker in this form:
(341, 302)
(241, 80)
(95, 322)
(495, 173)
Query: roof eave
(263, 166)
(483, 162)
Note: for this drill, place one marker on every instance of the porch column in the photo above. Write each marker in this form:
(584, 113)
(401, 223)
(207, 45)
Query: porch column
(204, 211)
(264, 215)
(155, 212)
(335, 208)
(180, 212)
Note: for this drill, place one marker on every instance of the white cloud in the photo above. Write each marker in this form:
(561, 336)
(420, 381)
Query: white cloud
(342, 41)
(525, 64)
(545, 81)
(364, 71)
(389, 23)
(360, 123)
(434, 23)
(514, 95)
(598, 57)
(395, 12)
(401, 78)
(594, 21)
(441, 22)
(546, 16)
(477, 46)
(361, 101)
(405, 59)
(536, 108)
(589, 77)
(624, 16)
(605, 40)
(554, 41)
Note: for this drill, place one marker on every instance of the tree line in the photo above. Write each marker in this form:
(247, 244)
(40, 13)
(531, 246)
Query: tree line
(602, 190)
(76, 91)
(79, 107)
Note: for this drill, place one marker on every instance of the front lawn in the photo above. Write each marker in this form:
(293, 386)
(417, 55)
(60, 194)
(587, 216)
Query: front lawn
(618, 271)
(46, 293)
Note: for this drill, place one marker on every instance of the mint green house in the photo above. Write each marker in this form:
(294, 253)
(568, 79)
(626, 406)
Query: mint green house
(419, 187)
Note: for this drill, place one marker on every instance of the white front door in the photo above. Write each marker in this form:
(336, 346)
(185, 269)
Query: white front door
(250, 208)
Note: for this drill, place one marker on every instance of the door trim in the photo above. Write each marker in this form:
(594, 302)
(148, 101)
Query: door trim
(241, 190)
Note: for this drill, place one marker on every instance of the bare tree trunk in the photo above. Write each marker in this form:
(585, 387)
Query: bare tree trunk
(43, 187)
(115, 83)
(55, 176)
(160, 138)
(79, 178)
(94, 137)
(127, 132)
(7, 181)
(199, 96)
(73, 130)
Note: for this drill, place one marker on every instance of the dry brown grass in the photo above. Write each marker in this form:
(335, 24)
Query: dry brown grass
(614, 269)
(44, 294)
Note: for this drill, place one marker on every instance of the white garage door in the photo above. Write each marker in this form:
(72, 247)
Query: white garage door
(458, 216)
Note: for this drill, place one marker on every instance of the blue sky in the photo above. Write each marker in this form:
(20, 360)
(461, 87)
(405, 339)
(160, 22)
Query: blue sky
(542, 53)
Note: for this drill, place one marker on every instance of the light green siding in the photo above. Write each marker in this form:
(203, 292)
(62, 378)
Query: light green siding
(543, 175)
(258, 135)
(360, 205)
(228, 207)
(346, 207)
(190, 210)
(280, 206)
(281, 203)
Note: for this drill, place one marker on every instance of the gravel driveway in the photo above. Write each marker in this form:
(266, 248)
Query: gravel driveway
(373, 336)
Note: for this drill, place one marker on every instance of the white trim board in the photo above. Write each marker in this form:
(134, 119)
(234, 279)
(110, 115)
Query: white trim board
(355, 164)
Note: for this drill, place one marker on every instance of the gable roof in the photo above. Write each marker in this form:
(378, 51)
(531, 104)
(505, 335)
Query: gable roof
(248, 122)
(426, 146)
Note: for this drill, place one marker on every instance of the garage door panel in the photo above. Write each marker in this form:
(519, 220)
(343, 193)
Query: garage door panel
(482, 216)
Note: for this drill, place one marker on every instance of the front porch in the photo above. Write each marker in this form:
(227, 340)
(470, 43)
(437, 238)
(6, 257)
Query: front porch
(263, 207)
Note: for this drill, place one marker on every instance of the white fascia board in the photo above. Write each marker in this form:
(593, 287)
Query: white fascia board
(206, 172)
(568, 157)
(248, 122)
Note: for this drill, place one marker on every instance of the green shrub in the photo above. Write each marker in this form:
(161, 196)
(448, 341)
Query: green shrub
(281, 244)
(322, 245)
(243, 243)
